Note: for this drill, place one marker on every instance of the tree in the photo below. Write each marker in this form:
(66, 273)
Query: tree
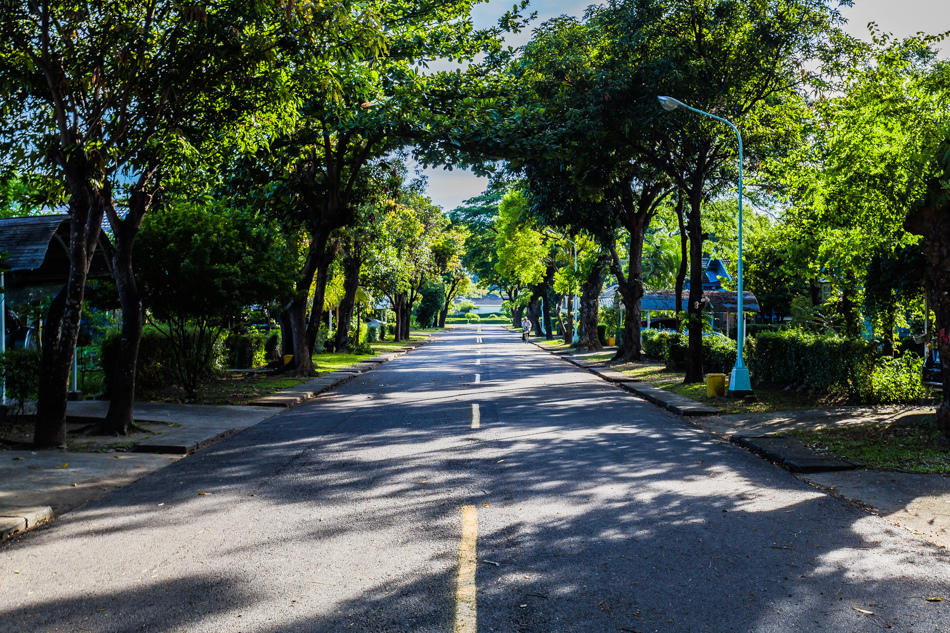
(103, 95)
(372, 100)
(203, 263)
(697, 52)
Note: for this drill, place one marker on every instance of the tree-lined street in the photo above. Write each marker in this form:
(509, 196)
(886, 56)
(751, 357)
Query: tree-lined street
(590, 510)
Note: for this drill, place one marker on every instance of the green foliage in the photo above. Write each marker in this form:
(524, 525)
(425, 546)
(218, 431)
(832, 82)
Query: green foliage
(246, 350)
(719, 352)
(464, 307)
(895, 381)
(153, 372)
(20, 369)
(656, 343)
(433, 298)
(372, 334)
(202, 264)
(822, 363)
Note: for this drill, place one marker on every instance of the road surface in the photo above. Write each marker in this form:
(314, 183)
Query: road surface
(476, 484)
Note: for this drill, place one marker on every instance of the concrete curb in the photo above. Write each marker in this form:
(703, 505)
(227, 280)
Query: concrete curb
(672, 402)
(791, 454)
(14, 520)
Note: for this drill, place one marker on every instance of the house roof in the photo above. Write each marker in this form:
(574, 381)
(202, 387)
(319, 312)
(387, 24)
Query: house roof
(487, 300)
(26, 240)
(717, 300)
(37, 249)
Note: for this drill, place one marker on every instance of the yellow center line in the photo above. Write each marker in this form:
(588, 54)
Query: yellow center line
(466, 617)
(476, 417)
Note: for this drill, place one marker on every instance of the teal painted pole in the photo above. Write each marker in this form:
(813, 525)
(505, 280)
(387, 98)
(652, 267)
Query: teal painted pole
(739, 382)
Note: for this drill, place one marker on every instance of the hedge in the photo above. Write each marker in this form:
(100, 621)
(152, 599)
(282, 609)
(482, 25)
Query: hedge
(719, 352)
(20, 369)
(826, 364)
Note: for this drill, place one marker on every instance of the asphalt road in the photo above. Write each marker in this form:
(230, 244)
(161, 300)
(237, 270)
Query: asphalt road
(378, 507)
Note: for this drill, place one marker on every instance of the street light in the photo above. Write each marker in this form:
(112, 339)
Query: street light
(739, 383)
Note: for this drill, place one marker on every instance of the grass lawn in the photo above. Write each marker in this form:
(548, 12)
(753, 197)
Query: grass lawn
(914, 448)
(769, 399)
(556, 344)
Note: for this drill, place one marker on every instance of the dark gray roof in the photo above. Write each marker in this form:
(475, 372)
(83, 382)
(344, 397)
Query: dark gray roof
(717, 300)
(26, 240)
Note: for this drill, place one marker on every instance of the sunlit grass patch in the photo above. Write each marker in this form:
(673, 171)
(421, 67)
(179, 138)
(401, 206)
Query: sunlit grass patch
(915, 448)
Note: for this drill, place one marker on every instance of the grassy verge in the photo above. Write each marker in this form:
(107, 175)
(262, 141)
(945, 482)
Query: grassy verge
(555, 344)
(913, 448)
(768, 399)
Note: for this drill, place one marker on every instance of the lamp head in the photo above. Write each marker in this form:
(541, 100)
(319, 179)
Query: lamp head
(669, 103)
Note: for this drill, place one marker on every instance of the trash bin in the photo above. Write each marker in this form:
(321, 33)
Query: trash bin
(288, 358)
(716, 385)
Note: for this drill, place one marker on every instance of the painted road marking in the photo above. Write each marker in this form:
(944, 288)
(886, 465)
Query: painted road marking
(478, 378)
(466, 617)
(476, 417)
(478, 361)
(478, 339)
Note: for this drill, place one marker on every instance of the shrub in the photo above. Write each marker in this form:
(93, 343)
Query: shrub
(246, 350)
(656, 343)
(602, 333)
(272, 347)
(20, 369)
(154, 368)
(719, 354)
(827, 364)
(372, 334)
(160, 363)
(894, 381)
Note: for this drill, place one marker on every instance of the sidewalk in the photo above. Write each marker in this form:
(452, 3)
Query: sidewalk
(36, 486)
(918, 503)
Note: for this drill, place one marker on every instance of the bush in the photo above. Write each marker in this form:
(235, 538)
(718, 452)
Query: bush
(753, 329)
(656, 343)
(894, 381)
(247, 350)
(158, 365)
(372, 334)
(719, 354)
(272, 347)
(826, 364)
(154, 369)
(602, 333)
(20, 369)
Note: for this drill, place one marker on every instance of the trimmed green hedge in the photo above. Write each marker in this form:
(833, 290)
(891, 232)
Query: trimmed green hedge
(20, 369)
(656, 343)
(827, 364)
(719, 353)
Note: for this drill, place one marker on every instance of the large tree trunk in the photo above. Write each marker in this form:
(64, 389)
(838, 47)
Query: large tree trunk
(125, 230)
(694, 356)
(351, 282)
(534, 315)
(631, 288)
(449, 297)
(297, 312)
(61, 332)
(319, 295)
(931, 223)
(684, 256)
(590, 307)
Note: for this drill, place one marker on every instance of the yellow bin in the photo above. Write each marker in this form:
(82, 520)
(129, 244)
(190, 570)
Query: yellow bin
(716, 385)
(288, 358)
(611, 341)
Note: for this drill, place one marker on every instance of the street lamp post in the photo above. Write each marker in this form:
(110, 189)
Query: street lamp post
(739, 383)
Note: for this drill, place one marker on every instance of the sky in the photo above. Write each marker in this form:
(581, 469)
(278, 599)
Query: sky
(449, 189)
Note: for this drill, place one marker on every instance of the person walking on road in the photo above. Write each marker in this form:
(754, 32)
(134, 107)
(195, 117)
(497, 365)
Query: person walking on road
(525, 329)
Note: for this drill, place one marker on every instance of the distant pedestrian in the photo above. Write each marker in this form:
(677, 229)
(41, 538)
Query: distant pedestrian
(525, 329)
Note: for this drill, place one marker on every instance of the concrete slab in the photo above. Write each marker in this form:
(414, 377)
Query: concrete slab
(239, 417)
(11, 526)
(612, 375)
(793, 455)
(916, 502)
(675, 403)
(182, 441)
(279, 400)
